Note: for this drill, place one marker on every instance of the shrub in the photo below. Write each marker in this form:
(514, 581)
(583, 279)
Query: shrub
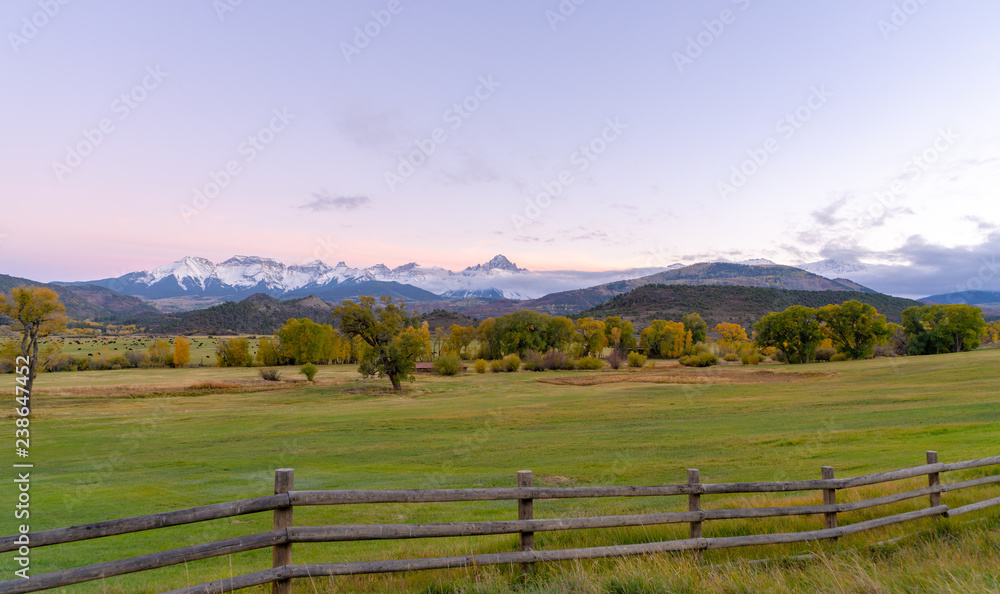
(556, 360)
(839, 357)
(271, 375)
(751, 358)
(481, 365)
(511, 363)
(136, 358)
(636, 359)
(447, 364)
(824, 354)
(589, 363)
(532, 361)
(731, 357)
(496, 366)
(704, 359)
(616, 360)
(884, 350)
(309, 370)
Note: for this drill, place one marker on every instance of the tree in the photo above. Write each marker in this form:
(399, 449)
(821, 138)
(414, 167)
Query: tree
(663, 339)
(233, 352)
(925, 329)
(304, 341)
(36, 313)
(795, 331)
(964, 324)
(624, 339)
(590, 333)
(558, 333)
(932, 329)
(182, 352)
(460, 337)
(160, 353)
(489, 344)
(522, 331)
(309, 370)
(854, 327)
(698, 327)
(393, 343)
(268, 353)
(731, 333)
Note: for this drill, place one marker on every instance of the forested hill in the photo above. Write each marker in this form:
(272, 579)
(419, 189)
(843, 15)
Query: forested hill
(740, 305)
(257, 314)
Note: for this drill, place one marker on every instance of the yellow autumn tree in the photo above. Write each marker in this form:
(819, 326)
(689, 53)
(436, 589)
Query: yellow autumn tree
(182, 351)
(36, 313)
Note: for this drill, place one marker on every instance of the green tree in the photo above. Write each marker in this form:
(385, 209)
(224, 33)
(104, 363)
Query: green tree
(590, 333)
(388, 330)
(522, 331)
(624, 339)
(489, 343)
(304, 341)
(932, 329)
(854, 327)
(965, 325)
(558, 333)
(795, 331)
(698, 327)
(36, 313)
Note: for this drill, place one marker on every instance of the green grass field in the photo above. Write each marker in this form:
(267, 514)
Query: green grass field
(110, 444)
(202, 347)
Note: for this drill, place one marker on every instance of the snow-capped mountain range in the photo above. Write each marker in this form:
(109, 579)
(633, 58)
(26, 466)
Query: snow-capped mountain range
(241, 276)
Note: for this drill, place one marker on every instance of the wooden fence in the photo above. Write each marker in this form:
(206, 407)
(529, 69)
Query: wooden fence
(285, 533)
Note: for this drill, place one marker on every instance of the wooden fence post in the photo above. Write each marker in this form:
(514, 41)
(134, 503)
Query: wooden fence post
(933, 479)
(829, 498)
(694, 504)
(525, 511)
(284, 479)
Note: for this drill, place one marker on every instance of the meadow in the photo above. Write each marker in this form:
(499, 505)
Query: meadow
(110, 444)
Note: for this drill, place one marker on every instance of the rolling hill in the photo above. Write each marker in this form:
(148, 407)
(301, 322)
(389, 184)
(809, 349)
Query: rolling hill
(87, 302)
(740, 305)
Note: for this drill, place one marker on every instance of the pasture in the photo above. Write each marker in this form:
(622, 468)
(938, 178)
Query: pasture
(110, 444)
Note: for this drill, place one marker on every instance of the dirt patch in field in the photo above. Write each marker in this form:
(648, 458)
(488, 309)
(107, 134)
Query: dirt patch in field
(683, 375)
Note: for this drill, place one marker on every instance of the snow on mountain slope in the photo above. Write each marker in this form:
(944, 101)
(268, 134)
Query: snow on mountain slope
(240, 275)
(831, 268)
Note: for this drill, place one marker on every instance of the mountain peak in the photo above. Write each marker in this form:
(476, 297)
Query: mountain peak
(499, 262)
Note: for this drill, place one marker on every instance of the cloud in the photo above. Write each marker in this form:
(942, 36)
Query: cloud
(828, 214)
(919, 268)
(324, 201)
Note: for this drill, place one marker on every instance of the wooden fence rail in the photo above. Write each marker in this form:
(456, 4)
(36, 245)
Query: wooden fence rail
(285, 533)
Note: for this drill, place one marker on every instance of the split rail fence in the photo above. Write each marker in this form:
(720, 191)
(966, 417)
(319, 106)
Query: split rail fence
(285, 533)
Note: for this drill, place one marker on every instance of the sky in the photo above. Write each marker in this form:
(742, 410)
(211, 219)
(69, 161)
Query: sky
(566, 135)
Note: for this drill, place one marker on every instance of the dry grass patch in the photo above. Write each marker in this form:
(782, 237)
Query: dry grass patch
(683, 375)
